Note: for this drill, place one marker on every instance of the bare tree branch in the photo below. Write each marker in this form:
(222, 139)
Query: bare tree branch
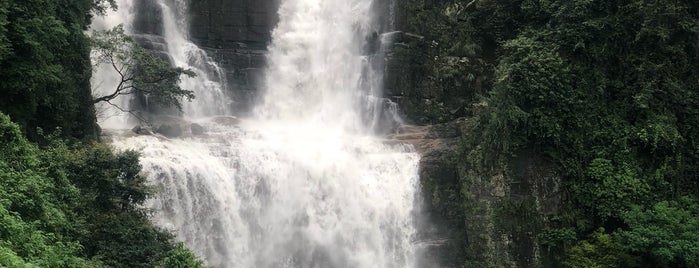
(139, 70)
(132, 112)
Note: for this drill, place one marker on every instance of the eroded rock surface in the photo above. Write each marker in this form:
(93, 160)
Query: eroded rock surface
(482, 218)
(236, 34)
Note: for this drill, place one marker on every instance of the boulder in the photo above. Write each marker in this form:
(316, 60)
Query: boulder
(142, 130)
(196, 129)
(170, 130)
(227, 120)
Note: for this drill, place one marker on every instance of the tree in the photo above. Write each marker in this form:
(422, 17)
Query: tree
(34, 207)
(181, 257)
(100, 6)
(78, 205)
(45, 66)
(600, 250)
(665, 234)
(140, 71)
(4, 44)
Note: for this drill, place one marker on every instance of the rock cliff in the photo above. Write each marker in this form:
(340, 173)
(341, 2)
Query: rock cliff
(480, 218)
(235, 34)
(483, 215)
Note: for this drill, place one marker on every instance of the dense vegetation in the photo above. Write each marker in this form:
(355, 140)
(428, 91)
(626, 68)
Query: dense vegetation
(605, 91)
(45, 65)
(76, 206)
(65, 199)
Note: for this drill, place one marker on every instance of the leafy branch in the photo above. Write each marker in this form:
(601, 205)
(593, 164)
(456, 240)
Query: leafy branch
(139, 70)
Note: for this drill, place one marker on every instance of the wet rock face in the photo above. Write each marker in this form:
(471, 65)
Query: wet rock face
(233, 24)
(481, 218)
(149, 18)
(148, 27)
(148, 30)
(235, 33)
(442, 234)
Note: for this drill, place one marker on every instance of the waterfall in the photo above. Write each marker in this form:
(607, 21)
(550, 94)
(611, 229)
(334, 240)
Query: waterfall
(209, 82)
(304, 181)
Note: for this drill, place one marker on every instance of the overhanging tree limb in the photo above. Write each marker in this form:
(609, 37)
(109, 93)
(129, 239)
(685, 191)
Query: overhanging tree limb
(139, 117)
(139, 70)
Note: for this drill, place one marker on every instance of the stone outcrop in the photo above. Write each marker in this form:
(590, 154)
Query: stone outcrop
(170, 127)
(142, 130)
(170, 130)
(148, 27)
(226, 120)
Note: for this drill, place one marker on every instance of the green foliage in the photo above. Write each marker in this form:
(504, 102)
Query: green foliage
(114, 227)
(157, 80)
(108, 180)
(74, 206)
(45, 66)
(668, 232)
(126, 240)
(63, 205)
(181, 257)
(605, 90)
(602, 90)
(535, 98)
(444, 71)
(4, 43)
(22, 244)
(101, 6)
(141, 71)
(32, 212)
(599, 251)
(609, 189)
(552, 238)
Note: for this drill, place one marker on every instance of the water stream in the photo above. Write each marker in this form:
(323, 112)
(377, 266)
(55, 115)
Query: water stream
(305, 181)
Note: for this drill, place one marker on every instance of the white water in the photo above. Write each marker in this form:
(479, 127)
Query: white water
(209, 82)
(303, 183)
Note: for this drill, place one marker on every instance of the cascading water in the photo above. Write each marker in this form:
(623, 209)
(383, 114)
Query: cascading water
(208, 84)
(303, 182)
